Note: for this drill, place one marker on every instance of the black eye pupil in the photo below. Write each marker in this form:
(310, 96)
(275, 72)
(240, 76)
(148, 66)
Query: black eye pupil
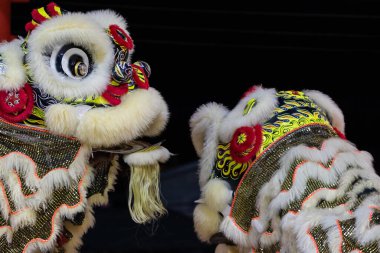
(74, 63)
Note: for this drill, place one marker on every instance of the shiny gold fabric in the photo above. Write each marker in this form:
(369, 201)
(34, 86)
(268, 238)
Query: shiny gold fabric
(48, 152)
(243, 208)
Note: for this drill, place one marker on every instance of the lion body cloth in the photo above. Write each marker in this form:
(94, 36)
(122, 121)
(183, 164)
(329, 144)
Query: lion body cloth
(73, 110)
(277, 174)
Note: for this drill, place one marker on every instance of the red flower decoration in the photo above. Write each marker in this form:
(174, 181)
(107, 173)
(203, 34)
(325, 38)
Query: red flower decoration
(16, 106)
(245, 142)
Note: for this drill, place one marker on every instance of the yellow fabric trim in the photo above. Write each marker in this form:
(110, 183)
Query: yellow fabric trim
(43, 13)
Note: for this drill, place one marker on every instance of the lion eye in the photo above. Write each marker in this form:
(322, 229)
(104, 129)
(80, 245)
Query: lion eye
(72, 61)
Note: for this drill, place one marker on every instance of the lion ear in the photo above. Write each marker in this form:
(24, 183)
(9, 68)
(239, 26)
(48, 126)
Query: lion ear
(12, 71)
(334, 113)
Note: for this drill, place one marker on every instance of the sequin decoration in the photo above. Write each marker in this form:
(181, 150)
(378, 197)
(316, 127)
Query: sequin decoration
(45, 153)
(263, 168)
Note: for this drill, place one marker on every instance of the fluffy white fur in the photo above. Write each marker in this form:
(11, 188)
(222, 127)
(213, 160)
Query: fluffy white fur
(105, 18)
(78, 231)
(122, 123)
(16, 165)
(159, 122)
(232, 232)
(217, 194)
(63, 211)
(81, 30)
(25, 218)
(14, 76)
(266, 102)
(147, 157)
(204, 125)
(58, 178)
(334, 113)
(61, 119)
(347, 164)
(206, 222)
(89, 221)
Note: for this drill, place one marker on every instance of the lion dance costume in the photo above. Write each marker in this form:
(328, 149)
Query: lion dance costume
(73, 109)
(278, 175)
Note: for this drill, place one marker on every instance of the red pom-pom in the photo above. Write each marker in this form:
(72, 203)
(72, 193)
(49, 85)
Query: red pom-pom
(30, 26)
(16, 106)
(113, 93)
(51, 9)
(140, 77)
(37, 16)
(121, 37)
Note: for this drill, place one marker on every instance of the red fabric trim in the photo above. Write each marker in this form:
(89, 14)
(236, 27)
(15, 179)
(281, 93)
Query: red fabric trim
(30, 26)
(127, 42)
(136, 78)
(113, 100)
(113, 93)
(37, 16)
(51, 11)
(339, 133)
(117, 90)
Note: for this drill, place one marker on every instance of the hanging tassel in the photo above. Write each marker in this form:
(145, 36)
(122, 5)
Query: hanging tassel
(144, 200)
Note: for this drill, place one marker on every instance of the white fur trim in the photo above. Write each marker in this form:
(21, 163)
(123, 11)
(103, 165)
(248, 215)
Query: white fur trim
(78, 231)
(204, 125)
(61, 119)
(217, 194)
(14, 76)
(266, 102)
(81, 30)
(98, 199)
(104, 127)
(63, 212)
(232, 232)
(206, 222)
(105, 18)
(15, 165)
(334, 113)
(21, 219)
(147, 157)
(159, 122)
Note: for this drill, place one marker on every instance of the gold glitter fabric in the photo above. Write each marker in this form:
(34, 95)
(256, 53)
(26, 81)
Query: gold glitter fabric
(42, 178)
(305, 189)
(261, 171)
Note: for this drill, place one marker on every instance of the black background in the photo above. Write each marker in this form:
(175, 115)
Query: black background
(201, 51)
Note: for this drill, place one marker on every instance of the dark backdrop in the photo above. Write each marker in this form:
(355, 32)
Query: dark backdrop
(201, 52)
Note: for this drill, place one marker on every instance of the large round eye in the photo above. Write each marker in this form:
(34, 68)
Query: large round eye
(72, 61)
